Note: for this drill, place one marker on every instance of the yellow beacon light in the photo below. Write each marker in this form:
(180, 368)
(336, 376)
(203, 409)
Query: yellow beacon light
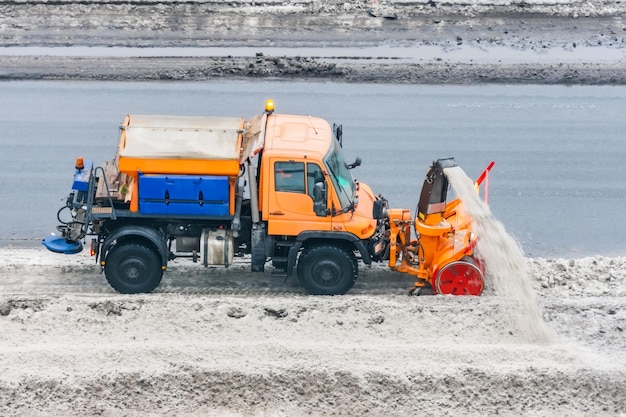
(269, 106)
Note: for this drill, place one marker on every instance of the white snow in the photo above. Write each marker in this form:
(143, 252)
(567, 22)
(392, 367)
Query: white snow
(229, 342)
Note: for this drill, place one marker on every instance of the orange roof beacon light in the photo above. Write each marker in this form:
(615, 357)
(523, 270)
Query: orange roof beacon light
(80, 163)
(269, 106)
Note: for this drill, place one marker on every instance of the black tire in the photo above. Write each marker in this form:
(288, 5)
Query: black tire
(133, 268)
(327, 270)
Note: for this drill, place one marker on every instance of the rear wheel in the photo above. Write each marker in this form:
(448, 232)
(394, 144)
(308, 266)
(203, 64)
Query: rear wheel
(462, 277)
(133, 268)
(327, 269)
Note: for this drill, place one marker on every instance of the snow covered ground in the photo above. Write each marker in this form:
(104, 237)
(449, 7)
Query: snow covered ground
(223, 342)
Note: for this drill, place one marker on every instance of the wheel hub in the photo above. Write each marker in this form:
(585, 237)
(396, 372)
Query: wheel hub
(132, 270)
(328, 272)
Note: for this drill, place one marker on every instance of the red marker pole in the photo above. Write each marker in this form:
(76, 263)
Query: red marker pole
(485, 177)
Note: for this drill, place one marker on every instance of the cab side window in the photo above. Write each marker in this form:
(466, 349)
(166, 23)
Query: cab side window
(289, 177)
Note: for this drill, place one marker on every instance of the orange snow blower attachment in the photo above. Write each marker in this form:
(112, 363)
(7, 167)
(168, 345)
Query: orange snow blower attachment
(442, 254)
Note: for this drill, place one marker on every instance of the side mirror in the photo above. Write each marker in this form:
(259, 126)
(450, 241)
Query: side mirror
(379, 210)
(319, 199)
(338, 130)
(356, 163)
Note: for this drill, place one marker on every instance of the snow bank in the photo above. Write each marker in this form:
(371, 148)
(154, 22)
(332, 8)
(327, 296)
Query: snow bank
(590, 276)
(226, 342)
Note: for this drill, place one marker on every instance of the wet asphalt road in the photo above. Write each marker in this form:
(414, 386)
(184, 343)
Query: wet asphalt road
(558, 184)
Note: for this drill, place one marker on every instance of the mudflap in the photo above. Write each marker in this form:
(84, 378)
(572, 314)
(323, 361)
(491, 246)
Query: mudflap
(258, 242)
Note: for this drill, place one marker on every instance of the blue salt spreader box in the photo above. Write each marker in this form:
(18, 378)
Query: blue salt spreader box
(184, 195)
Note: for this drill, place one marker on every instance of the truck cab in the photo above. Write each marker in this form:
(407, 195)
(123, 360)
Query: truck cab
(313, 208)
(300, 154)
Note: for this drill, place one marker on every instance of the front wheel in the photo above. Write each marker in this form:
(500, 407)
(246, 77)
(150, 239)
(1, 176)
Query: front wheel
(327, 269)
(133, 268)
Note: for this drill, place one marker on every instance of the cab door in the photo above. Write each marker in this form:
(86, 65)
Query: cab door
(292, 197)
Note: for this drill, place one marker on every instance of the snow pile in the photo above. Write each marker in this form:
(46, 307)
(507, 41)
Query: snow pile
(590, 276)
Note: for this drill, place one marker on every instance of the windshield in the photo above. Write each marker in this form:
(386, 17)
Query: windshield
(340, 175)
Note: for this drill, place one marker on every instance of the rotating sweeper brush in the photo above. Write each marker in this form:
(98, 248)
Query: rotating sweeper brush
(74, 227)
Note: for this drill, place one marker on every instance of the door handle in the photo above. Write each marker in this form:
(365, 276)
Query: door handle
(277, 213)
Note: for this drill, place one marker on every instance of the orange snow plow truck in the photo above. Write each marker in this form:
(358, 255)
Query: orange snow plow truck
(275, 188)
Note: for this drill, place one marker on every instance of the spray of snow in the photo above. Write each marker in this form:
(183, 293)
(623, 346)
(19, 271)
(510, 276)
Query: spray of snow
(506, 272)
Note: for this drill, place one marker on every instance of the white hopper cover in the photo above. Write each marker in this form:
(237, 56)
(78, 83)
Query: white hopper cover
(182, 137)
(253, 138)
